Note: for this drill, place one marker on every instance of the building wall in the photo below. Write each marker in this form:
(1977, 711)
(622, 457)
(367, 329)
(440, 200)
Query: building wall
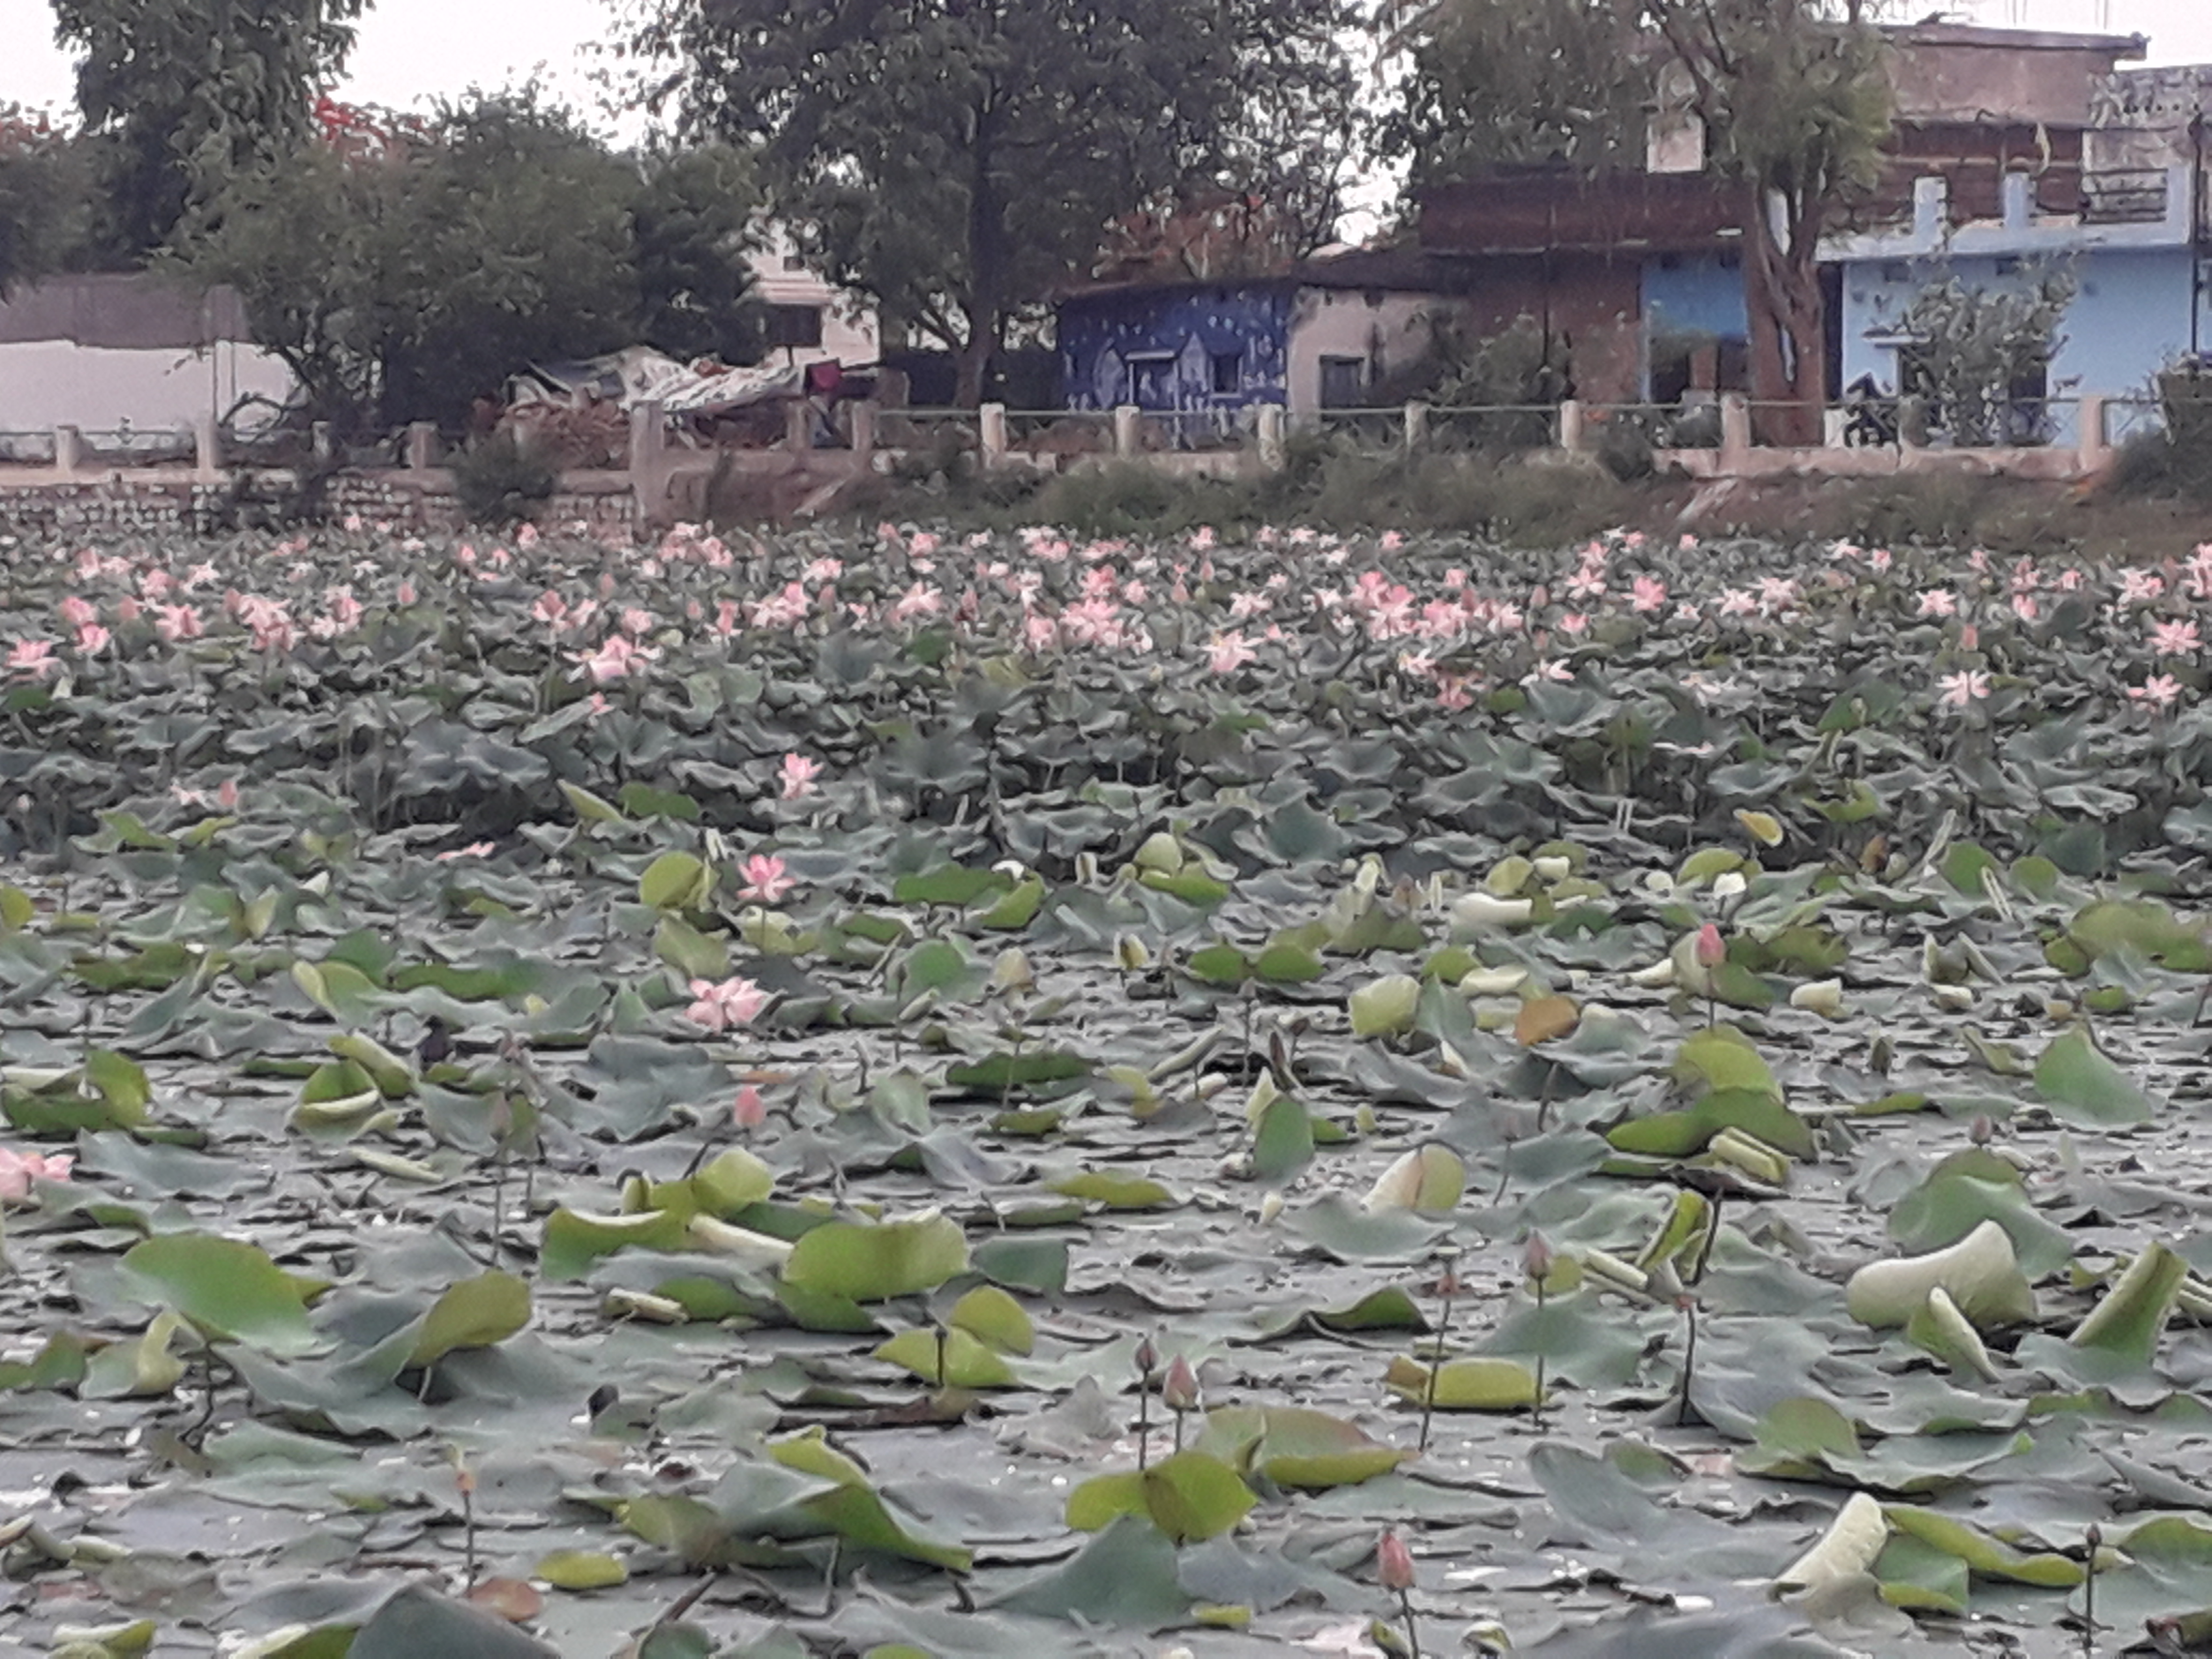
(1695, 294)
(1591, 302)
(1386, 330)
(850, 333)
(2130, 319)
(49, 383)
(1101, 335)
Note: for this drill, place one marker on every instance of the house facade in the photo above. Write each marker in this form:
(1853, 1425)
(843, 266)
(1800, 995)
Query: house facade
(1324, 335)
(2016, 155)
(809, 320)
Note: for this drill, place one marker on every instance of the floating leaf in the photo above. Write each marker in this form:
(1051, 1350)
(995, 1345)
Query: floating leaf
(1465, 1385)
(229, 1288)
(476, 1313)
(871, 1261)
(2080, 1085)
(1189, 1496)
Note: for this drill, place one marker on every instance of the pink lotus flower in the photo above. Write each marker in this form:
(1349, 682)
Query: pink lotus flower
(2174, 639)
(720, 1005)
(616, 659)
(919, 600)
(798, 775)
(91, 639)
(748, 1111)
(178, 622)
(1648, 593)
(1393, 1563)
(77, 612)
(636, 621)
(405, 592)
(2159, 691)
(34, 658)
(2141, 586)
(19, 1169)
(1227, 652)
(1711, 950)
(551, 610)
(1964, 688)
(1938, 602)
(766, 879)
(475, 849)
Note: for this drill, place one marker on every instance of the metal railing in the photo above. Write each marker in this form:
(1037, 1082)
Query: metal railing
(27, 448)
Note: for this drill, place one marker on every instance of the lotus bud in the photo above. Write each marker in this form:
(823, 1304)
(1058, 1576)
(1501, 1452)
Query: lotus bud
(1180, 1388)
(1387, 1008)
(1393, 1562)
(1824, 997)
(1271, 1209)
(1488, 910)
(1711, 950)
(1160, 852)
(749, 1111)
(1981, 1130)
(1012, 970)
(1086, 869)
(1147, 1357)
(1536, 1258)
(1131, 954)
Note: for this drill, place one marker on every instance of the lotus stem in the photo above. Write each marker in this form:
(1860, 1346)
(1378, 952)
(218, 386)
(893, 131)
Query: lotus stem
(2092, 1541)
(1405, 1613)
(1689, 1359)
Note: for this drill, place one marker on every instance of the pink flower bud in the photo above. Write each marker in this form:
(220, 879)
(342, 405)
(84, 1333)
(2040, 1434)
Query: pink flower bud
(750, 1111)
(1711, 948)
(1536, 1258)
(1147, 1357)
(1180, 1389)
(1393, 1562)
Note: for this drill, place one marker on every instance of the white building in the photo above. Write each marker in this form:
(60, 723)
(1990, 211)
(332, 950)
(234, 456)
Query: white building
(809, 320)
(115, 351)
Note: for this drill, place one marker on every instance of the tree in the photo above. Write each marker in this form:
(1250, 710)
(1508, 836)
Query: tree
(1491, 84)
(956, 159)
(42, 198)
(403, 272)
(1793, 97)
(183, 96)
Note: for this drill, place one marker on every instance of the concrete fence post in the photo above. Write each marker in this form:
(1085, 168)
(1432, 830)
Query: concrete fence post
(1571, 426)
(69, 451)
(1125, 416)
(1274, 424)
(1416, 426)
(1735, 430)
(798, 427)
(320, 444)
(207, 446)
(991, 433)
(421, 445)
(864, 428)
(2094, 450)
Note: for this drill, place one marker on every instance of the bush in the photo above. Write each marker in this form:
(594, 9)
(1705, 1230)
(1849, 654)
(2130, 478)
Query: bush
(504, 479)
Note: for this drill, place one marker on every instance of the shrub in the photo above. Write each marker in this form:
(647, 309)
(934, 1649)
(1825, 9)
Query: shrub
(504, 479)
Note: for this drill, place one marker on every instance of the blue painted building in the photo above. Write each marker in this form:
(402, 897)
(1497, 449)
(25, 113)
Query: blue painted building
(1208, 354)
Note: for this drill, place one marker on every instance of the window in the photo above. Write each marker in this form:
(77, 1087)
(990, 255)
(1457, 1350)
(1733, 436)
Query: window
(1228, 372)
(1896, 271)
(1343, 382)
(1151, 380)
(794, 325)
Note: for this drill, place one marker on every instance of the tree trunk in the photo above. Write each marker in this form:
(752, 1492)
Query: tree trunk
(974, 360)
(1786, 315)
(987, 266)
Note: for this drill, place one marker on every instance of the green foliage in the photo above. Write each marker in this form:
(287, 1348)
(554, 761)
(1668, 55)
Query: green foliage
(45, 197)
(1499, 82)
(1976, 348)
(504, 479)
(955, 161)
(179, 99)
(401, 287)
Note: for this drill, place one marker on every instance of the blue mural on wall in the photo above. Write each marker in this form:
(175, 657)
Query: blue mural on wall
(1214, 351)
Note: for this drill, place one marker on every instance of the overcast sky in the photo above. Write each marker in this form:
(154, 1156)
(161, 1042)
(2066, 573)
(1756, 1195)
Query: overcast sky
(415, 50)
